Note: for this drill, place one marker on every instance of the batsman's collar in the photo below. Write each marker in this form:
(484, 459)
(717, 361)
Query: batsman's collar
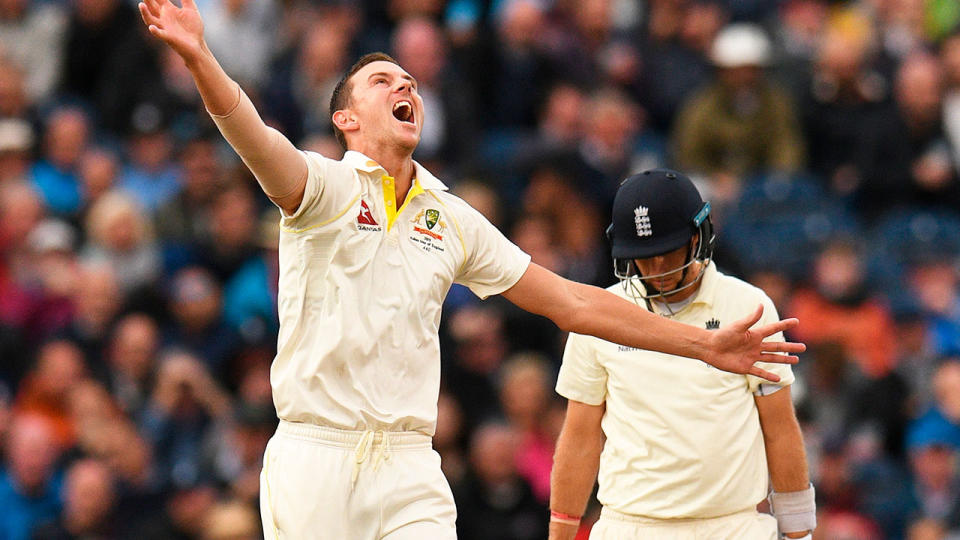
(708, 286)
(363, 163)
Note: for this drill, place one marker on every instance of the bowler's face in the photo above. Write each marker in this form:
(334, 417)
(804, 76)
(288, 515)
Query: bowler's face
(387, 105)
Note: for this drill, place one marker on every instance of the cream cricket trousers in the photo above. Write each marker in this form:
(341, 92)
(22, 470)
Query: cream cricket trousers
(323, 483)
(746, 525)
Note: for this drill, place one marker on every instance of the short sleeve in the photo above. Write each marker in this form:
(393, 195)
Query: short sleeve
(332, 187)
(785, 372)
(582, 378)
(492, 263)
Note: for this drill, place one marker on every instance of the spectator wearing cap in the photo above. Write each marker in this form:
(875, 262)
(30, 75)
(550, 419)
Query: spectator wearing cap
(16, 142)
(150, 176)
(742, 124)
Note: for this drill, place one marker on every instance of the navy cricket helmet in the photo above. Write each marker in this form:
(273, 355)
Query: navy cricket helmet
(656, 212)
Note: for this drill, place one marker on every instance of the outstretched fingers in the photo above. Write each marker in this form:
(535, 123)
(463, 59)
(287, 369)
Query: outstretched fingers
(777, 358)
(745, 323)
(763, 374)
(148, 17)
(782, 347)
(189, 4)
(774, 327)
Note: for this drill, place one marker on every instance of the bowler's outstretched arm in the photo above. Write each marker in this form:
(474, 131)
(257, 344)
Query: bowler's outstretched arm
(585, 309)
(278, 166)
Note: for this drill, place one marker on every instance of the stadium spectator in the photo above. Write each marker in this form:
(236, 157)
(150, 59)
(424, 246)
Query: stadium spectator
(30, 483)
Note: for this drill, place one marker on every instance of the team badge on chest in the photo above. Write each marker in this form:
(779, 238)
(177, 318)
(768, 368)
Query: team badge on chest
(428, 229)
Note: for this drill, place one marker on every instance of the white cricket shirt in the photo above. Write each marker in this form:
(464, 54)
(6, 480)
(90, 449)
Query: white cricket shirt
(683, 438)
(361, 289)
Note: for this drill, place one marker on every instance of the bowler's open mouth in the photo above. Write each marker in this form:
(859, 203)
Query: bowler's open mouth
(403, 111)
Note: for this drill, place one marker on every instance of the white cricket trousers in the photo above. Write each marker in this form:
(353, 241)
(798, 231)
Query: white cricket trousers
(746, 525)
(323, 483)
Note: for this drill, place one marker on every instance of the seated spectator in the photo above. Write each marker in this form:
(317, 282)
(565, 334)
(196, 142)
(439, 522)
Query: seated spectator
(89, 498)
(66, 134)
(182, 220)
(526, 384)
(16, 142)
(151, 177)
(32, 34)
(99, 169)
(742, 124)
(250, 296)
(842, 310)
(131, 358)
(495, 502)
(185, 403)
(59, 365)
(907, 159)
(198, 325)
(119, 235)
(231, 520)
(30, 484)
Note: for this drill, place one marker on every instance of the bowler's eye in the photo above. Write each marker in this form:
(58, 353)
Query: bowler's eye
(380, 80)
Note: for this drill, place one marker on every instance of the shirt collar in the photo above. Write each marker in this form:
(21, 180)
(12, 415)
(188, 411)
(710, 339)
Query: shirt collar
(708, 286)
(363, 163)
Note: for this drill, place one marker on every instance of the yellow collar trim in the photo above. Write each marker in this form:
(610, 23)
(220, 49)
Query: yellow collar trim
(390, 197)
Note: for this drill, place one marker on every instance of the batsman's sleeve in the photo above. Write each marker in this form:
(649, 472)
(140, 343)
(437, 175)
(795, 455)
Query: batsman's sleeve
(582, 377)
(785, 372)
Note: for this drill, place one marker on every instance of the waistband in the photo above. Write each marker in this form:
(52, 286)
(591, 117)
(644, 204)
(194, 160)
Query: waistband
(609, 513)
(350, 438)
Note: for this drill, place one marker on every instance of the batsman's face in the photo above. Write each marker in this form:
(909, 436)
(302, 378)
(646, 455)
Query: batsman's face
(665, 268)
(666, 271)
(387, 105)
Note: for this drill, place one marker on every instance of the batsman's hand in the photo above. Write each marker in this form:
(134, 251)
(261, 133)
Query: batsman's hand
(738, 347)
(179, 27)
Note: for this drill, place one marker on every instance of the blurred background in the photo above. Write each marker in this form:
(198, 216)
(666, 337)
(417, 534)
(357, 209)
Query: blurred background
(138, 262)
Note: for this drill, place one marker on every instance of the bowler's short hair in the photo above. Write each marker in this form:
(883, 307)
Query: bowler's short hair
(342, 94)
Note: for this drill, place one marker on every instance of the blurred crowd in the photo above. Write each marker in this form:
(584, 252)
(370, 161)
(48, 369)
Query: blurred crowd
(138, 262)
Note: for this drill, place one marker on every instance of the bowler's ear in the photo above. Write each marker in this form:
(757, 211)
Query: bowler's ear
(345, 120)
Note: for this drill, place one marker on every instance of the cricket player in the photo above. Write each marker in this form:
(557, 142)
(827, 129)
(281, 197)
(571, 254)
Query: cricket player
(369, 247)
(684, 451)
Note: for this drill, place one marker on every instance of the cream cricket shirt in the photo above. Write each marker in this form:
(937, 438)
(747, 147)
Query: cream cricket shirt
(683, 438)
(361, 289)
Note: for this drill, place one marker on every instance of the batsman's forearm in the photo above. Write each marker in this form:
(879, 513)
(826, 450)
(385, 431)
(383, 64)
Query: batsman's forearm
(783, 441)
(612, 318)
(278, 166)
(571, 481)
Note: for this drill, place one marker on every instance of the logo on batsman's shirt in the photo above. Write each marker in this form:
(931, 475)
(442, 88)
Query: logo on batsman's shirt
(712, 324)
(365, 221)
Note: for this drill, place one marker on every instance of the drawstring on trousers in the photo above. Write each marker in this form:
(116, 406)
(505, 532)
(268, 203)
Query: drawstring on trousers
(362, 451)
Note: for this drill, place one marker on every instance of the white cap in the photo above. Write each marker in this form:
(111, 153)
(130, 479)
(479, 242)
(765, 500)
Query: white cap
(740, 45)
(15, 135)
(52, 235)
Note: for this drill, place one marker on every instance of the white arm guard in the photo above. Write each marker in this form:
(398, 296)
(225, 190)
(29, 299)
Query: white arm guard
(796, 511)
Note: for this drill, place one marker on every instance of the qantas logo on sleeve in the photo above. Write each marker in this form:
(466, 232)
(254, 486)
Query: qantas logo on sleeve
(365, 221)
